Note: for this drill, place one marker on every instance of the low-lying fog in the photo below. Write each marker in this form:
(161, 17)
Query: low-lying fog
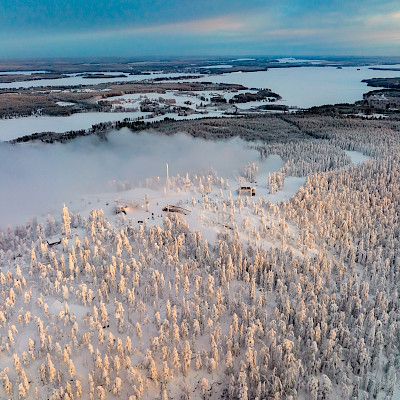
(17, 127)
(14, 128)
(38, 178)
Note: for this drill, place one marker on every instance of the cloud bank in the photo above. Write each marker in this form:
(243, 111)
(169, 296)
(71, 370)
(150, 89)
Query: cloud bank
(133, 28)
(38, 179)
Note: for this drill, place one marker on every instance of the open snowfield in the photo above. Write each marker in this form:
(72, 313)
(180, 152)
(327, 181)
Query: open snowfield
(357, 157)
(181, 98)
(217, 66)
(188, 99)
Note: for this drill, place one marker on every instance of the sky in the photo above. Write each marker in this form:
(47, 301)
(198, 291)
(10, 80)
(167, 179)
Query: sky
(142, 28)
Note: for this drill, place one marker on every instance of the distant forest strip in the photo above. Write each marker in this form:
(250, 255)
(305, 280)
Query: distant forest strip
(271, 128)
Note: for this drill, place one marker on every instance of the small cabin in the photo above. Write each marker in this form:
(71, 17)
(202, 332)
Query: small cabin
(170, 101)
(176, 209)
(247, 191)
(121, 210)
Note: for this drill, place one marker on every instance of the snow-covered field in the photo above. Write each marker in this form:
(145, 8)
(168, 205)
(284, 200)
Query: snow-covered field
(357, 157)
(217, 66)
(64, 103)
(180, 98)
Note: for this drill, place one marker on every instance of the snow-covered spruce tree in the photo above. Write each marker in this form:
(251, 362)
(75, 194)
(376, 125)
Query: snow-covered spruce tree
(299, 302)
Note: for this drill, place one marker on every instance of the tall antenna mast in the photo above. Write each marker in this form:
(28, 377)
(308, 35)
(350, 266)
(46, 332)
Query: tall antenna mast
(167, 183)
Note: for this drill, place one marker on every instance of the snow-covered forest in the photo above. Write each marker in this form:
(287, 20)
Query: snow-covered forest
(190, 288)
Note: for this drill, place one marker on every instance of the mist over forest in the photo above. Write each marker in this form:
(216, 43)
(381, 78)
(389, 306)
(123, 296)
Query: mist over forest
(200, 200)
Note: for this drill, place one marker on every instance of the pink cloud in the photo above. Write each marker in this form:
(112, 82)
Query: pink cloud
(292, 32)
(226, 24)
(383, 19)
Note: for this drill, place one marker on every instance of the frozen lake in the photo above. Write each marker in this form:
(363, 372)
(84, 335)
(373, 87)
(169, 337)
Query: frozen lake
(301, 86)
(23, 72)
(75, 80)
(17, 127)
(309, 86)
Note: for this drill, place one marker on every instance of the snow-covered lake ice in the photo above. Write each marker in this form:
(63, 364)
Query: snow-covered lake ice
(23, 72)
(76, 79)
(301, 86)
(17, 127)
(309, 86)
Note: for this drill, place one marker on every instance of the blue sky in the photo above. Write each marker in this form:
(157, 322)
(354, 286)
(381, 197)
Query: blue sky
(136, 28)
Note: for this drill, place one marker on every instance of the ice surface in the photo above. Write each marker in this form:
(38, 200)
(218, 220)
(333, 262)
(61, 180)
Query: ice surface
(22, 72)
(302, 87)
(17, 127)
(308, 86)
(243, 59)
(76, 79)
(293, 60)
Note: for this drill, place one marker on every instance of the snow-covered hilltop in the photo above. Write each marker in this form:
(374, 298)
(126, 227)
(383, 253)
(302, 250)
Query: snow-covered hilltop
(274, 276)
